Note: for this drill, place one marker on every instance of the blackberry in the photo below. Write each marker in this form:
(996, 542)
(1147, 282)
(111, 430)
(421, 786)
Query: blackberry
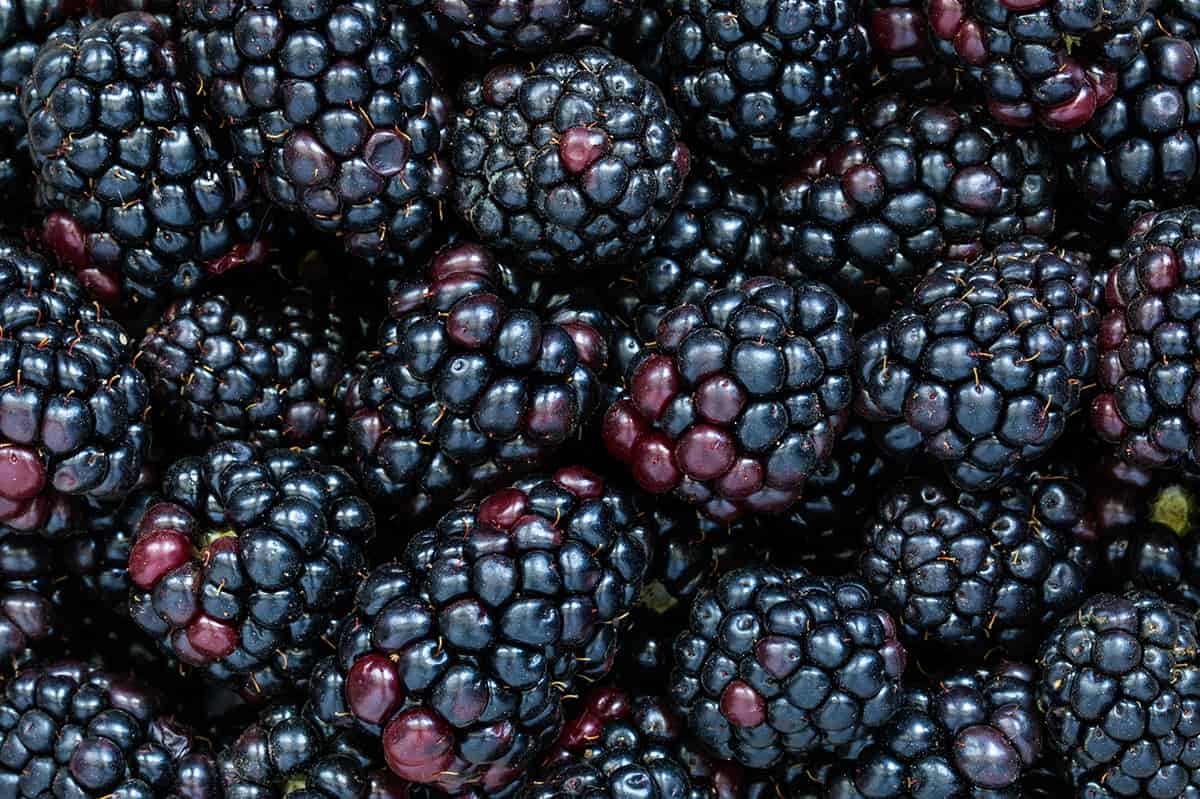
(741, 400)
(779, 664)
(97, 557)
(901, 51)
(527, 26)
(467, 386)
(1151, 557)
(573, 164)
(764, 79)
(138, 197)
(459, 656)
(30, 602)
(958, 569)
(1119, 691)
(975, 733)
(241, 567)
(910, 184)
(984, 365)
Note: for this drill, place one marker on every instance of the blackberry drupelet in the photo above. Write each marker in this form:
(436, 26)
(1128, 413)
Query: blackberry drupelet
(764, 80)
(527, 26)
(742, 398)
(778, 664)
(997, 568)
(1119, 690)
(910, 184)
(901, 51)
(30, 600)
(97, 557)
(467, 386)
(973, 734)
(459, 656)
(572, 164)
(984, 365)
(242, 566)
(138, 196)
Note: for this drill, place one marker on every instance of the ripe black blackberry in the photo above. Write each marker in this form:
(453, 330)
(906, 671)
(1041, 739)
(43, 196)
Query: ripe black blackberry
(30, 600)
(911, 183)
(459, 656)
(984, 365)
(742, 398)
(241, 567)
(1118, 690)
(570, 165)
(764, 81)
(901, 50)
(780, 663)
(526, 26)
(975, 733)
(469, 385)
(1153, 557)
(138, 197)
(97, 557)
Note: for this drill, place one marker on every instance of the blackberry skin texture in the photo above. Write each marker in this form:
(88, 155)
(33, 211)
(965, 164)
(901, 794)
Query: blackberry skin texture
(1119, 690)
(974, 734)
(138, 197)
(468, 387)
(260, 369)
(527, 26)
(68, 729)
(572, 164)
(30, 600)
(245, 562)
(983, 366)
(901, 52)
(1051, 63)
(909, 184)
(337, 108)
(977, 570)
(741, 400)
(764, 81)
(780, 664)
(97, 558)
(1148, 406)
(458, 657)
(1153, 557)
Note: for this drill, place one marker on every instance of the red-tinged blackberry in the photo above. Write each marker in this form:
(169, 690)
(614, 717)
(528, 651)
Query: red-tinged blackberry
(469, 385)
(30, 600)
(1119, 689)
(910, 184)
(975, 733)
(336, 106)
(779, 664)
(459, 657)
(901, 51)
(242, 566)
(138, 197)
(741, 399)
(527, 26)
(71, 730)
(572, 164)
(1052, 63)
(982, 367)
(97, 557)
(764, 80)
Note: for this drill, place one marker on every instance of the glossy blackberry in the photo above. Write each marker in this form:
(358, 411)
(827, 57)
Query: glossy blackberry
(30, 600)
(527, 26)
(72, 730)
(138, 197)
(973, 734)
(778, 664)
(1151, 556)
(1052, 63)
(1119, 692)
(241, 567)
(337, 108)
(570, 165)
(459, 656)
(97, 557)
(467, 386)
(901, 51)
(910, 184)
(985, 364)
(764, 79)
(977, 570)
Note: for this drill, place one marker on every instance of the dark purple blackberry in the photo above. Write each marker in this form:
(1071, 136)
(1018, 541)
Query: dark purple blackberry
(467, 386)
(901, 51)
(30, 600)
(778, 664)
(984, 365)
(459, 656)
(1119, 691)
(973, 734)
(573, 164)
(1152, 557)
(97, 557)
(240, 569)
(67, 729)
(138, 196)
(527, 26)
(764, 80)
(640, 38)
(912, 183)
(964, 570)
(741, 399)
